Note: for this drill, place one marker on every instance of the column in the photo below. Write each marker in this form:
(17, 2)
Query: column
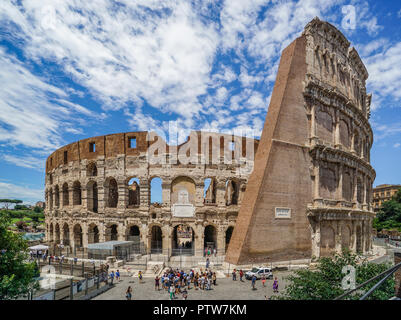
(72, 239)
(316, 170)
(221, 243)
(316, 239)
(199, 188)
(122, 194)
(166, 192)
(144, 192)
(166, 240)
(337, 130)
(84, 235)
(338, 236)
(340, 170)
(121, 229)
(313, 125)
(220, 193)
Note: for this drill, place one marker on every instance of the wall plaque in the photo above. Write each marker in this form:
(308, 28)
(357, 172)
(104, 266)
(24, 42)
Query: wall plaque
(283, 213)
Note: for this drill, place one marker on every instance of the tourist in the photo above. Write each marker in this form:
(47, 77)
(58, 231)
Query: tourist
(140, 276)
(215, 252)
(207, 263)
(234, 275)
(172, 294)
(205, 253)
(128, 293)
(263, 280)
(214, 278)
(253, 282)
(118, 275)
(241, 274)
(112, 277)
(157, 284)
(275, 285)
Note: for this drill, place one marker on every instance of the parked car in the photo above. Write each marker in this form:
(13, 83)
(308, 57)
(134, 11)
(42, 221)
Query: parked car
(259, 272)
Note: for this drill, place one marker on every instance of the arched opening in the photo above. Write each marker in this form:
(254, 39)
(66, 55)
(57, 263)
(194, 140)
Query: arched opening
(156, 191)
(359, 191)
(347, 187)
(229, 233)
(156, 245)
(57, 196)
(209, 191)
(51, 232)
(91, 170)
(327, 241)
(183, 240)
(133, 192)
(78, 236)
(77, 194)
(93, 234)
(134, 235)
(92, 196)
(66, 235)
(111, 193)
(113, 232)
(358, 239)
(231, 195)
(210, 237)
(66, 195)
(51, 199)
(57, 233)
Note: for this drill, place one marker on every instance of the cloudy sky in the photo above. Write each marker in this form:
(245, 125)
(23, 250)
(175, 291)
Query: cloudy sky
(74, 69)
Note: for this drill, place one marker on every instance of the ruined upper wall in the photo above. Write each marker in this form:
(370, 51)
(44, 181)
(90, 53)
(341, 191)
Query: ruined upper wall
(112, 145)
(331, 60)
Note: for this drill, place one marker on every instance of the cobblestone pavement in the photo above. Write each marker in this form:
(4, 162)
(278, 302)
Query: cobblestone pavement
(226, 289)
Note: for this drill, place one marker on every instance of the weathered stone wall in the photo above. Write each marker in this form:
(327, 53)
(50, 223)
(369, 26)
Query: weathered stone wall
(313, 157)
(87, 196)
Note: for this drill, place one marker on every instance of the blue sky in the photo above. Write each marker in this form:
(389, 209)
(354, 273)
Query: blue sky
(72, 70)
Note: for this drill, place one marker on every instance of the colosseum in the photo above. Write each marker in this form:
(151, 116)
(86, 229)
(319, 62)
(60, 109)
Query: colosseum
(311, 188)
(306, 192)
(102, 189)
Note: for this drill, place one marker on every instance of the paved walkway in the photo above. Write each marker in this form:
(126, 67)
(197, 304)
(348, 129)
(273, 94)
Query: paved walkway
(226, 289)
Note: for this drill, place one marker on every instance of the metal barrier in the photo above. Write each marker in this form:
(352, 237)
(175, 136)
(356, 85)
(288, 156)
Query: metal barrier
(386, 274)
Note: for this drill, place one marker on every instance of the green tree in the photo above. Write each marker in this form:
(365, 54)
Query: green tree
(389, 215)
(16, 275)
(8, 202)
(325, 282)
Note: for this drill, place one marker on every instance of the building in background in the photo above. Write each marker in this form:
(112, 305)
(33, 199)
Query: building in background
(382, 193)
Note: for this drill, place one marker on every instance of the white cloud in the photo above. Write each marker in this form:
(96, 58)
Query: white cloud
(25, 161)
(157, 51)
(13, 191)
(397, 145)
(384, 73)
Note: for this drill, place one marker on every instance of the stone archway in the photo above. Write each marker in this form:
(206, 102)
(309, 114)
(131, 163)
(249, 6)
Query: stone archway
(359, 239)
(66, 235)
(93, 233)
(210, 237)
(57, 233)
(327, 241)
(229, 233)
(78, 236)
(345, 238)
(183, 240)
(156, 239)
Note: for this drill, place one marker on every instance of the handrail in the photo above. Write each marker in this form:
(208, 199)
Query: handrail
(388, 273)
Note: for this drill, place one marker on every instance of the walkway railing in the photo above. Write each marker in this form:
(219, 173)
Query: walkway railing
(386, 274)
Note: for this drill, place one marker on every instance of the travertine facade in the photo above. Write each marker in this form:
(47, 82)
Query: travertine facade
(310, 191)
(89, 197)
